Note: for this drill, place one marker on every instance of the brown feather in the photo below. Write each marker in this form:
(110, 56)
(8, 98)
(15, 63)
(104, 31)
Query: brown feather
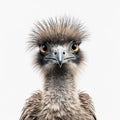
(58, 30)
(32, 109)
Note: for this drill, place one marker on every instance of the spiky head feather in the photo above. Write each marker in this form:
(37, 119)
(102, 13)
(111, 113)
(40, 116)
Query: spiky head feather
(58, 30)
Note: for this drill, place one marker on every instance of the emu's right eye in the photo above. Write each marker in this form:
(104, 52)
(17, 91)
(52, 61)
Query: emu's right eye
(43, 48)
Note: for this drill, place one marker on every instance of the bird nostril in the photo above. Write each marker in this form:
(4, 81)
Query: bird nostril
(64, 53)
(55, 53)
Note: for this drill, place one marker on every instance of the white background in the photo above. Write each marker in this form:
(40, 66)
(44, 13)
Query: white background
(100, 77)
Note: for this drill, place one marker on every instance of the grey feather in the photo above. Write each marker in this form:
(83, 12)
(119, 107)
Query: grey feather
(35, 109)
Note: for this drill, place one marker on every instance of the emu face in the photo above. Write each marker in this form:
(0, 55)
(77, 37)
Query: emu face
(58, 41)
(50, 53)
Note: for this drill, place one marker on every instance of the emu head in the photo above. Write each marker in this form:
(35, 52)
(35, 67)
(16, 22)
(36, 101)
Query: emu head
(59, 42)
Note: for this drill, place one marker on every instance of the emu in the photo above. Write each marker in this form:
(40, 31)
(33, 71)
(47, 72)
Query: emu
(59, 58)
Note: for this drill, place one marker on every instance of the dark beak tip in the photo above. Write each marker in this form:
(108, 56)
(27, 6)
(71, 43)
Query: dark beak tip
(60, 63)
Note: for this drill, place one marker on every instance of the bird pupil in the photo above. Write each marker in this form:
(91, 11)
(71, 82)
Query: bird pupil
(74, 46)
(44, 47)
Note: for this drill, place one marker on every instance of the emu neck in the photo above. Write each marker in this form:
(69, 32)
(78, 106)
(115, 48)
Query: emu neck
(60, 98)
(59, 81)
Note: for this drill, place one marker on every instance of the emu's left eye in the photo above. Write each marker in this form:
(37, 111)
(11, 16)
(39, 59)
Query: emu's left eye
(74, 47)
(43, 48)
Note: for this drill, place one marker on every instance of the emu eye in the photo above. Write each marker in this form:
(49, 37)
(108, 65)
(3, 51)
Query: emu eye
(43, 48)
(74, 47)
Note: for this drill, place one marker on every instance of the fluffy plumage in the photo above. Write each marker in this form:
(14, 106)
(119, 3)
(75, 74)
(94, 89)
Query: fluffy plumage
(58, 30)
(33, 108)
(60, 100)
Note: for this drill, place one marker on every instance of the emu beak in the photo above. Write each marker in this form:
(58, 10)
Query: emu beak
(60, 56)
